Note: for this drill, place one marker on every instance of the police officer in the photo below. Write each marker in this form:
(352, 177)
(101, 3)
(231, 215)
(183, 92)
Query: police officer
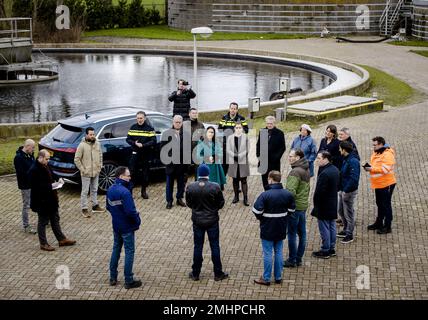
(142, 138)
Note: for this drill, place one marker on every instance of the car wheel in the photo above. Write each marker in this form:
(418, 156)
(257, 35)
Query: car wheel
(107, 176)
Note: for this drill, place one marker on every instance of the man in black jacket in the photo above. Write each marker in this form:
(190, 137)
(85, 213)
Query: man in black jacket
(205, 199)
(172, 156)
(271, 141)
(23, 161)
(44, 201)
(325, 204)
(197, 130)
(141, 137)
(227, 124)
(181, 98)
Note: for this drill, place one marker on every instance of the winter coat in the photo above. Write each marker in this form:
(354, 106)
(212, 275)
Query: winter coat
(173, 143)
(333, 148)
(144, 134)
(89, 158)
(350, 174)
(23, 162)
(307, 144)
(228, 123)
(325, 195)
(275, 148)
(382, 174)
(354, 152)
(120, 204)
(44, 200)
(197, 132)
(272, 208)
(298, 183)
(204, 151)
(205, 199)
(238, 158)
(182, 102)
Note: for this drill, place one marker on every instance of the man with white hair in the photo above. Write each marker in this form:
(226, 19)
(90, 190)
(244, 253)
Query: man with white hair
(23, 161)
(270, 159)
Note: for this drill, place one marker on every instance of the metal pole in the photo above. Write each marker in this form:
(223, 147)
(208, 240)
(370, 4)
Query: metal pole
(195, 70)
(386, 18)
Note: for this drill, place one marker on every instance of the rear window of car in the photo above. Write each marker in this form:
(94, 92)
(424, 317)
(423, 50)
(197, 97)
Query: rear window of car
(65, 133)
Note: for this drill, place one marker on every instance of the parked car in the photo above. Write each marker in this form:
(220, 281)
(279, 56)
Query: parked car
(111, 127)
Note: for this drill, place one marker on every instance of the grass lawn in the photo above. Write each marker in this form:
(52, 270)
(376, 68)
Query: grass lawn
(8, 149)
(410, 43)
(423, 53)
(164, 32)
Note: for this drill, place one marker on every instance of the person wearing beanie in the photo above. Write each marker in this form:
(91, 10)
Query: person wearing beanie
(305, 142)
(205, 198)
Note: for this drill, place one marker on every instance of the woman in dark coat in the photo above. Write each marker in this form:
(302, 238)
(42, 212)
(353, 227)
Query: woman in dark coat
(330, 143)
(237, 157)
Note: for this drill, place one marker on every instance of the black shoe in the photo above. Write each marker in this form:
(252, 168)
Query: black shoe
(235, 200)
(341, 234)
(169, 205)
(384, 230)
(246, 202)
(288, 264)
(299, 264)
(347, 239)
(279, 281)
(133, 284)
(332, 253)
(223, 276)
(374, 226)
(144, 194)
(113, 282)
(321, 254)
(193, 277)
(181, 203)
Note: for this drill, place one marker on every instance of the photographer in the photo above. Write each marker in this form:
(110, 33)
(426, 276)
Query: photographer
(181, 99)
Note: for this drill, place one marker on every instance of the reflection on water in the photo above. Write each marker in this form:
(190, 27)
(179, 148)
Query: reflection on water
(94, 81)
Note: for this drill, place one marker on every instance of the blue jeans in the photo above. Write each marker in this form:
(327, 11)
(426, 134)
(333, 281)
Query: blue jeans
(170, 187)
(126, 240)
(268, 247)
(327, 230)
(214, 239)
(296, 226)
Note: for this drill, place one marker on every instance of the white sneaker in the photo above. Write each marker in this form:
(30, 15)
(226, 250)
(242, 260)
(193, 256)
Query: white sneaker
(30, 230)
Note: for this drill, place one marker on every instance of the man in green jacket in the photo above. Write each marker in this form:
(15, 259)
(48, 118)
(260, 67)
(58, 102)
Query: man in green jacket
(298, 184)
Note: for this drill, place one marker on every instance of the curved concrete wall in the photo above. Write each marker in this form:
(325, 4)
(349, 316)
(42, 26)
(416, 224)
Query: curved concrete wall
(420, 19)
(293, 16)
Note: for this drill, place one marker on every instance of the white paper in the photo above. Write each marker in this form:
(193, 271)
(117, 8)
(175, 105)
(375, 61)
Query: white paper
(57, 185)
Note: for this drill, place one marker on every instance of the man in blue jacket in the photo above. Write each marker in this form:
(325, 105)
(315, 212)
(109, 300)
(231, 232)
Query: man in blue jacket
(126, 220)
(348, 189)
(271, 208)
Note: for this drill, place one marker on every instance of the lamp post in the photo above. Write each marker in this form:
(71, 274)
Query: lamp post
(204, 32)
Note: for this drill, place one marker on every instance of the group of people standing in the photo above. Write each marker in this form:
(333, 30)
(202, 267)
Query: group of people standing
(280, 209)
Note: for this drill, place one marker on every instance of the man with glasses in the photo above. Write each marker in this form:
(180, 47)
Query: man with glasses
(44, 201)
(141, 137)
(382, 178)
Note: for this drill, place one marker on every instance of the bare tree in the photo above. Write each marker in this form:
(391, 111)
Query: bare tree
(2, 9)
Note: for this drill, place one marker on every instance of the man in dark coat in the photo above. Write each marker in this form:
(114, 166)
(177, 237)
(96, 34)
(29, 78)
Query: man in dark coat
(325, 204)
(23, 161)
(272, 208)
(227, 125)
(181, 98)
(172, 156)
(205, 198)
(44, 201)
(271, 143)
(196, 134)
(142, 138)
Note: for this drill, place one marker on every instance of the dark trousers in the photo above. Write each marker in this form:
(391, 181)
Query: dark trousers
(44, 219)
(384, 208)
(181, 183)
(214, 239)
(135, 164)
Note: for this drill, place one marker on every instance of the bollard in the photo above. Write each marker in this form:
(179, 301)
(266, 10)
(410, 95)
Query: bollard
(279, 114)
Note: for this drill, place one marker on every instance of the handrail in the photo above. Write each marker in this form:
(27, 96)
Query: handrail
(4, 58)
(13, 31)
(389, 16)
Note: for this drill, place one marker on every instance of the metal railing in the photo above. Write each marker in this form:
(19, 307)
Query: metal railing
(390, 16)
(11, 32)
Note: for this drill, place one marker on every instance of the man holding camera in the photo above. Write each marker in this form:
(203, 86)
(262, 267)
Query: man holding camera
(181, 98)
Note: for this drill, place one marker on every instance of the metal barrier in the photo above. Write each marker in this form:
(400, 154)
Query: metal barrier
(14, 33)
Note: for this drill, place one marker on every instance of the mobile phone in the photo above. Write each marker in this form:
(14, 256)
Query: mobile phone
(366, 165)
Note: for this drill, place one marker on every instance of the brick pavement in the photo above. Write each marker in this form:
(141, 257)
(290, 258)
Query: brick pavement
(398, 262)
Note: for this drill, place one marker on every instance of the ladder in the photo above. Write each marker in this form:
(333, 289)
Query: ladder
(390, 16)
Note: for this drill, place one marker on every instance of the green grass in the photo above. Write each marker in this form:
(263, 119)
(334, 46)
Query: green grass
(423, 53)
(164, 32)
(8, 149)
(410, 43)
(393, 91)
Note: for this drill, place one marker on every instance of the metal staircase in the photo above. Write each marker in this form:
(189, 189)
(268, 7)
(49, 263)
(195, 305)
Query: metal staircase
(391, 16)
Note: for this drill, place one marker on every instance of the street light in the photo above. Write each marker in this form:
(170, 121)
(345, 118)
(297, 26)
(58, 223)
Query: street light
(204, 32)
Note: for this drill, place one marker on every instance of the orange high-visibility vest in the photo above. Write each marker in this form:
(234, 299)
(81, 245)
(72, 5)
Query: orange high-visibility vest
(382, 174)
